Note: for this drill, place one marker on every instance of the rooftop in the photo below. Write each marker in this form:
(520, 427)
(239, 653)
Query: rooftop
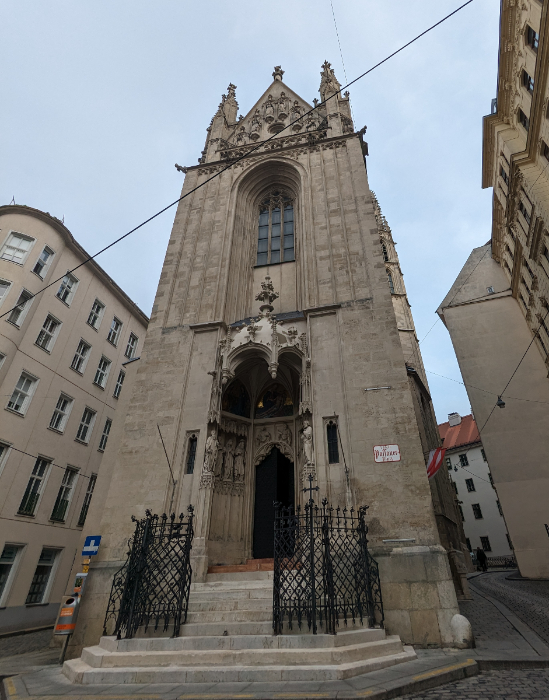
(464, 433)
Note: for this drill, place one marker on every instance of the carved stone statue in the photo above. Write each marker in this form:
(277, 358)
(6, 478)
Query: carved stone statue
(210, 453)
(284, 434)
(228, 461)
(239, 461)
(269, 109)
(242, 136)
(307, 443)
(263, 436)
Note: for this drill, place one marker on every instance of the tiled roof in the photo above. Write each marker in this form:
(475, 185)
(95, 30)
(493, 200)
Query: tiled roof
(465, 433)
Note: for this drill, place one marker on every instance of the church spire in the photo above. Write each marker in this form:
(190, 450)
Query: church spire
(329, 84)
(337, 106)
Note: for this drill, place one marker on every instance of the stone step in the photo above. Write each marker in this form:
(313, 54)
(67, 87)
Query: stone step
(78, 671)
(230, 604)
(233, 585)
(97, 657)
(250, 565)
(223, 629)
(215, 615)
(232, 594)
(241, 576)
(257, 641)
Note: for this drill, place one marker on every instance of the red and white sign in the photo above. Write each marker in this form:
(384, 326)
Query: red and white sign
(386, 453)
(436, 457)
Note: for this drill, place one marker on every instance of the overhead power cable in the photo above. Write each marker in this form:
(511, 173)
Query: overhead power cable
(245, 155)
(486, 391)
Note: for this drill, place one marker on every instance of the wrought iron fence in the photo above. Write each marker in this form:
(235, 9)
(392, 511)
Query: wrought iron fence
(152, 588)
(323, 571)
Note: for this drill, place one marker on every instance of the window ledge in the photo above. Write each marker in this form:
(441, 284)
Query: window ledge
(77, 371)
(56, 520)
(63, 302)
(15, 413)
(44, 349)
(116, 397)
(13, 324)
(56, 430)
(25, 515)
(99, 386)
(100, 450)
(113, 344)
(94, 328)
(13, 262)
(36, 605)
(284, 262)
(39, 276)
(81, 442)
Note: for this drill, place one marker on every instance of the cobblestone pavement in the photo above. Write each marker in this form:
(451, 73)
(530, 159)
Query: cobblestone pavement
(492, 630)
(493, 685)
(25, 643)
(529, 600)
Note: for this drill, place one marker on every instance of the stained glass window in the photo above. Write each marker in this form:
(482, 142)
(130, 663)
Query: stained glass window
(275, 237)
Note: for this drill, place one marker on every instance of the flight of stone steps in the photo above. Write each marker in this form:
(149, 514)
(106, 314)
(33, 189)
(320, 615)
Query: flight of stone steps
(228, 637)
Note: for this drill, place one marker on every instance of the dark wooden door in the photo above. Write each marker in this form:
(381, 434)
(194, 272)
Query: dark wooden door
(274, 481)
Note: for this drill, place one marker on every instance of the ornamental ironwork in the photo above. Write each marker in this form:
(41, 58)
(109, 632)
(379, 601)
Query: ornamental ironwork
(152, 588)
(324, 574)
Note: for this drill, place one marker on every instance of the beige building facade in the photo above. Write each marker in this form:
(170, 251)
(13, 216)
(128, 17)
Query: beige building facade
(281, 343)
(497, 309)
(65, 383)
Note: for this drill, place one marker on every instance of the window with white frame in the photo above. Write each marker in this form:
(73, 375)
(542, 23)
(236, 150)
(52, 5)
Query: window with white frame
(119, 382)
(4, 289)
(4, 451)
(61, 413)
(22, 394)
(19, 311)
(81, 355)
(64, 495)
(131, 347)
(42, 264)
(96, 314)
(67, 288)
(48, 333)
(87, 500)
(105, 435)
(34, 487)
(102, 372)
(16, 248)
(86, 425)
(8, 559)
(42, 575)
(114, 332)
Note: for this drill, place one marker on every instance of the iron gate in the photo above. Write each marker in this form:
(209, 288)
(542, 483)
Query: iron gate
(152, 588)
(323, 571)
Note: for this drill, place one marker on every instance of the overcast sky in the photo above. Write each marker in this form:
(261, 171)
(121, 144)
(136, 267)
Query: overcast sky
(100, 99)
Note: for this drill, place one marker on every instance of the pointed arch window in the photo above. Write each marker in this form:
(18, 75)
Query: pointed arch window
(391, 282)
(384, 250)
(275, 237)
(333, 447)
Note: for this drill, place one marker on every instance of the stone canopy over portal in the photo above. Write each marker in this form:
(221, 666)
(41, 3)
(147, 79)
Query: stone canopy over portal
(260, 415)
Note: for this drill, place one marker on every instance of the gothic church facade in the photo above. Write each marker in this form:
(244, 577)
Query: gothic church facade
(281, 346)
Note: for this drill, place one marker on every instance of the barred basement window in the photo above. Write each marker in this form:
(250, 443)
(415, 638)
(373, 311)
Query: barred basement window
(333, 447)
(87, 500)
(191, 454)
(485, 544)
(275, 237)
(105, 435)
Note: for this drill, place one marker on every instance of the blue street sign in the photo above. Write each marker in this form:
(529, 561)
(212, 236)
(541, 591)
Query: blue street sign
(91, 545)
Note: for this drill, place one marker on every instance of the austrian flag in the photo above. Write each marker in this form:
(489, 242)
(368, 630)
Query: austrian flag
(436, 458)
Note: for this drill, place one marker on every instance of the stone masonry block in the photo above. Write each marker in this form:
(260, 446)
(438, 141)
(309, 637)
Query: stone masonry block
(424, 595)
(425, 630)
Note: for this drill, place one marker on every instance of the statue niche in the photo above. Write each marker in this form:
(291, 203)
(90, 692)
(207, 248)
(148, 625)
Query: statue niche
(236, 400)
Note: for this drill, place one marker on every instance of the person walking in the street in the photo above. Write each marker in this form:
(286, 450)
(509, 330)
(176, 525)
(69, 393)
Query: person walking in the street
(482, 559)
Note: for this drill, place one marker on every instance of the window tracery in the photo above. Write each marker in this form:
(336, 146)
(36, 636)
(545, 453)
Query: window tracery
(275, 237)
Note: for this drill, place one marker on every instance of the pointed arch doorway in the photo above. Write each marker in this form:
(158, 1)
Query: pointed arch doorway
(274, 481)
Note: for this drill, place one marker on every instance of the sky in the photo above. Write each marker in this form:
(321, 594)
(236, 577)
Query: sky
(101, 99)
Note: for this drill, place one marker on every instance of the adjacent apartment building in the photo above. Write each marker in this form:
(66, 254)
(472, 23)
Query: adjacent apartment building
(472, 480)
(497, 311)
(64, 383)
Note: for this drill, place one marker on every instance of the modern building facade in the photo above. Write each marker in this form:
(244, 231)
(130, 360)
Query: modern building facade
(278, 350)
(468, 468)
(64, 384)
(497, 311)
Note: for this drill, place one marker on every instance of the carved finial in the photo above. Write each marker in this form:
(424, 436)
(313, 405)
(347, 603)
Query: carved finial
(231, 91)
(329, 84)
(278, 73)
(267, 295)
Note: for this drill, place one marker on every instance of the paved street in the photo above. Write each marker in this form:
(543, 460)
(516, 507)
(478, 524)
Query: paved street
(24, 643)
(493, 685)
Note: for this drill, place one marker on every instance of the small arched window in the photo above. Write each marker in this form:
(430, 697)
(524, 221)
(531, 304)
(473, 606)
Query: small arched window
(384, 250)
(391, 283)
(191, 454)
(275, 237)
(333, 447)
